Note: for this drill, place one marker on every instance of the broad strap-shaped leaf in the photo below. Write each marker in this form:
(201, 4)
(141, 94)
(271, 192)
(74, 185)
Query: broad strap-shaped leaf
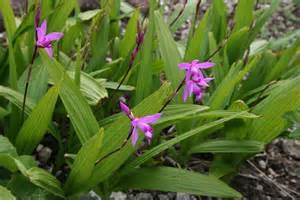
(84, 164)
(177, 180)
(243, 14)
(5, 194)
(45, 180)
(144, 78)
(129, 39)
(228, 146)
(37, 123)
(163, 146)
(92, 89)
(168, 50)
(16, 98)
(60, 15)
(221, 96)
(81, 115)
(27, 166)
(281, 100)
(283, 63)
(198, 45)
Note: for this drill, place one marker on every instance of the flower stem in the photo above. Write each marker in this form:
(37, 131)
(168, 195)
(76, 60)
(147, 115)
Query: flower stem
(27, 81)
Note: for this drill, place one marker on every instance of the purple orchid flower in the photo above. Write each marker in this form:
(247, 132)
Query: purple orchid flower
(140, 123)
(44, 40)
(194, 78)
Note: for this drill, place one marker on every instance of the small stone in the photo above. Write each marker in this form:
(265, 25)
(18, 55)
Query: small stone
(262, 164)
(183, 196)
(45, 154)
(118, 196)
(291, 148)
(144, 196)
(90, 196)
(163, 197)
(259, 187)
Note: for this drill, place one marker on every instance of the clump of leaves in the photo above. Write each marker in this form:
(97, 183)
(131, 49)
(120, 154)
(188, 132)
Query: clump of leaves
(67, 85)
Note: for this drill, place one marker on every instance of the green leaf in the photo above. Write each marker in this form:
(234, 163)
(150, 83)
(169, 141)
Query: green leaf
(129, 39)
(262, 19)
(145, 71)
(243, 14)
(87, 15)
(84, 164)
(283, 99)
(37, 123)
(3, 113)
(99, 41)
(60, 15)
(283, 63)
(221, 96)
(198, 45)
(16, 98)
(177, 180)
(163, 146)
(168, 50)
(45, 180)
(218, 20)
(117, 132)
(8, 19)
(81, 115)
(90, 88)
(5, 194)
(38, 82)
(6, 147)
(228, 146)
(236, 45)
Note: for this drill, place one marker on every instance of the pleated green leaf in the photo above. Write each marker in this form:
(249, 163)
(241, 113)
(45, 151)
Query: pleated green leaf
(5, 194)
(128, 42)
(222, 94)
(92, 89)
(243, 14)
(177, 180)
(228, 146)
(168, 50)
(84, 164)
(144, 77)
(45, 180)
(81, 115)
(37, 123)
(198, 45)
(163, 146)
(281, 100)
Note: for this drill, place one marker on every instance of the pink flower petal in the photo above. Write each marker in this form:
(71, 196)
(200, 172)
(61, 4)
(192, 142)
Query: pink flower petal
(184, 65)
(40, 36)
(49, 51)
(54, 36)
(134, 136)
(44, 27)
(205, 65)
(150, 118)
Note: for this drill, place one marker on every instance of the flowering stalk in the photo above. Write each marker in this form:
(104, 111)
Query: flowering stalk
(44, 41)
(36, 22)
(139, 42)
(142, 123)
(184, 79)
